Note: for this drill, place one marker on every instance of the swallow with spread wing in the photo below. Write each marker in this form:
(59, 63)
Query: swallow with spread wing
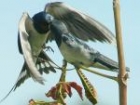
(31, 41)
(77, 52)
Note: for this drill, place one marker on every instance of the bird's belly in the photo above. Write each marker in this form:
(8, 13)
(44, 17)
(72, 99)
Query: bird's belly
(37, 41)
(75, 55)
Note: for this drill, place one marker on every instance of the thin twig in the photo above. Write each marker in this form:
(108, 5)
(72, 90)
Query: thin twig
(100, 74)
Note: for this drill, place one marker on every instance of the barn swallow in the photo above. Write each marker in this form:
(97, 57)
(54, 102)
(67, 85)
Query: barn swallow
(77, 52)
(31, 41)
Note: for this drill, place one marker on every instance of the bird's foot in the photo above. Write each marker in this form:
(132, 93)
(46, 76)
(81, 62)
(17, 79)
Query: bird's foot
(48, 48)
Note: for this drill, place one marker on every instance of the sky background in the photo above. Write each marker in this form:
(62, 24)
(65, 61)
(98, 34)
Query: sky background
(11, 61)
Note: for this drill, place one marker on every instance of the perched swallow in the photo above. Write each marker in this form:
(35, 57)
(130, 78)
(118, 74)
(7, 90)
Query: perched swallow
(76, 51)
(32, 36)
(31, 41)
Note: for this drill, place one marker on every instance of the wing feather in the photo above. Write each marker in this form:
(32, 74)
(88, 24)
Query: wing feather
(26, 49)
(80, 24)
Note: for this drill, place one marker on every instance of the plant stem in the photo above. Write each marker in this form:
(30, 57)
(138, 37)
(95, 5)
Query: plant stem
(62, 79)
(63, 74)
(122, 73)
(100, 74)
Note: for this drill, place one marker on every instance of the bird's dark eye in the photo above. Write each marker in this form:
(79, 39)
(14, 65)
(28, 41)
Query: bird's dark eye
(43, 25)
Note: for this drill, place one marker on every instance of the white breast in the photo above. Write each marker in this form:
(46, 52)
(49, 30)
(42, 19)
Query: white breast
(37, 41)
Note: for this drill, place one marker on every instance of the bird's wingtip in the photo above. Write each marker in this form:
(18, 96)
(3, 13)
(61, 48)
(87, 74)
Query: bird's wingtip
(127, 69)
(40, 80)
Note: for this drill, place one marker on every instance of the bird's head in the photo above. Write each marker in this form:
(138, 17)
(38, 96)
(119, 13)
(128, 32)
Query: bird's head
(41, 22)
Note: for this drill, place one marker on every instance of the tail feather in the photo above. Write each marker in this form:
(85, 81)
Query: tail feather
(25, 73)
(21, 78)
(104, 62)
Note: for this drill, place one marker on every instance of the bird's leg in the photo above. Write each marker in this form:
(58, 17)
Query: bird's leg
(100, 74)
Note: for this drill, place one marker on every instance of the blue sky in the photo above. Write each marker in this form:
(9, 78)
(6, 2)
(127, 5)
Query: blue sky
(11, 61)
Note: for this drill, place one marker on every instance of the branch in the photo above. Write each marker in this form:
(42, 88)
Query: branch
(122, 73)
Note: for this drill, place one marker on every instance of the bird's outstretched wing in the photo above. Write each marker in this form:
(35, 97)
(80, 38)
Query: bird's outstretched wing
(25, 48)
(43, 59)
(25, 73)
(80, 24)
